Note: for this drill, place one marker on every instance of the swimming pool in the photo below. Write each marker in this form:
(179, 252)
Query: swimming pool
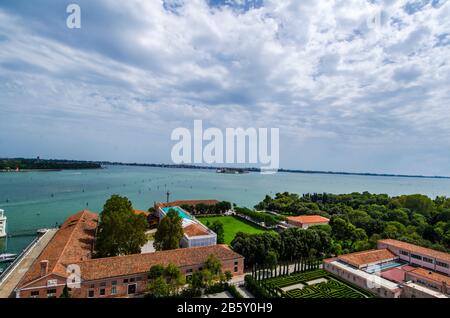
(179, 211)
(381, 267)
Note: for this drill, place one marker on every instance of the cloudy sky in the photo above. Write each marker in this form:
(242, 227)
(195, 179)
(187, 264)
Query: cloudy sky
(353, 85)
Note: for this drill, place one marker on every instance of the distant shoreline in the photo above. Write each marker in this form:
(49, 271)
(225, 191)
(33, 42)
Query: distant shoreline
(280, 170)
(101, 165)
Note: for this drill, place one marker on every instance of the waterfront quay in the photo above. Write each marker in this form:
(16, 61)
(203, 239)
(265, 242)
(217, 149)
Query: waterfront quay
(13, 275)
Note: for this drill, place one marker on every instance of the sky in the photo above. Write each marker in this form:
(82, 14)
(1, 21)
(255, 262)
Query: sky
(353, 85)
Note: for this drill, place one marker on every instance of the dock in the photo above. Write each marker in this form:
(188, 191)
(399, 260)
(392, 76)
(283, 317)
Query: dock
(13, 274)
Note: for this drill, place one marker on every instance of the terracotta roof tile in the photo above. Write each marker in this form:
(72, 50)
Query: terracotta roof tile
(72, 243)
(195, 230)
(308, 219)
(360, 259)
(430, 275)
(145, 213)
(102, 268)
(417, 249)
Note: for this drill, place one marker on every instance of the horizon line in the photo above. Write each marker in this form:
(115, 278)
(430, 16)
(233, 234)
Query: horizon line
(250, 169)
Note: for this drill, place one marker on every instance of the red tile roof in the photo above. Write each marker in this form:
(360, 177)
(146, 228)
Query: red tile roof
(361, 259)
(308, 219)
(102, 268)
(430, 275)
(72, 243)
(145, 213)
(195, 230)
(417, 249)
(187, 202)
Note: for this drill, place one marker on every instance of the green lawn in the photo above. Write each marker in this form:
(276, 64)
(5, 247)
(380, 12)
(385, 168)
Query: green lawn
(233, 225)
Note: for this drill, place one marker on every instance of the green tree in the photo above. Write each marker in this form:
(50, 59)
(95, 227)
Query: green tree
(169, 232)
(217, 227)
(121, 232)
(213, 264)
(156, 271)
(159, 288)
(417, 203)
(175, 279)
(65, 292)
(228, 276)
(271, 259)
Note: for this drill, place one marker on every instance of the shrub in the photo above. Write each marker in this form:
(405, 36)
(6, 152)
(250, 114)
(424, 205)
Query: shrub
(254, 288)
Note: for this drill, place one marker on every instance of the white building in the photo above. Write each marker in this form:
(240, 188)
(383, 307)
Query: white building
(2, 223)
(195, 234)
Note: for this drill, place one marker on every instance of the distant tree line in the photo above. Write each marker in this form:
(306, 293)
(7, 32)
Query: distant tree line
(39, 164)
(204, 209)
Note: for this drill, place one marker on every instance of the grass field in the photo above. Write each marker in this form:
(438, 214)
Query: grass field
(233, 225)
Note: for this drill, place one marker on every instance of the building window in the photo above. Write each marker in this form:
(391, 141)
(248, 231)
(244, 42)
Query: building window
(236, 263)
(91, 293)
(51, 293)
(428, 260)
(132, 280)
(189, 270)
(416, 256)
(235, 269)
(404, 253)
(35, 293)
(125, 280)
(92, 286)
(102, 292)
(131, 289)
(441, 264)
(113, 290)
(114, 283)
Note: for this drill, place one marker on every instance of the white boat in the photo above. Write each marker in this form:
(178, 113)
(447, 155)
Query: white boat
(2, 224)
(7, 257)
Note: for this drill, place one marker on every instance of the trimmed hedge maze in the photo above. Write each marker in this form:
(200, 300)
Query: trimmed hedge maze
(332, 288)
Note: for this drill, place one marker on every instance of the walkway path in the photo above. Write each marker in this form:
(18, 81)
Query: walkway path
(10, 281)
(244, 292)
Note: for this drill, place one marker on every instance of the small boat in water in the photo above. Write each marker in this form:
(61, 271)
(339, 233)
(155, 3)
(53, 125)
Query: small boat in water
(7, 257)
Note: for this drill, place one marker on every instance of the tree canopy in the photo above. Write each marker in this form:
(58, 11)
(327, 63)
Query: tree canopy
(120, 232)
(169, 232)
(358, 220)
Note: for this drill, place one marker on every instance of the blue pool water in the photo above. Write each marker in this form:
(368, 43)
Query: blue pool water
(180, 212)
(382, 267)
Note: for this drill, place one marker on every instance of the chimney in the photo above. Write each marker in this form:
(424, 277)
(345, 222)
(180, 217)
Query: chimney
(44, 268)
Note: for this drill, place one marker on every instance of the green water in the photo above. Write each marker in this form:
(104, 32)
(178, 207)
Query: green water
(33, 200)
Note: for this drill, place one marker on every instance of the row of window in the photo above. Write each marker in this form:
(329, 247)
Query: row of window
(102, 292)
(441, 264)
(51, 293)
(425, 259)
(114, 282)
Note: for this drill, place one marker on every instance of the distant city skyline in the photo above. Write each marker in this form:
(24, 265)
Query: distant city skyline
(356, 86)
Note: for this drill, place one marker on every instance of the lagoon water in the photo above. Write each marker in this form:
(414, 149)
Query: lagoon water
(33, 200)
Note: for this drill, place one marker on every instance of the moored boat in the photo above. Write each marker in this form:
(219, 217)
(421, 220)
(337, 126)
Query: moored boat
(7, 257)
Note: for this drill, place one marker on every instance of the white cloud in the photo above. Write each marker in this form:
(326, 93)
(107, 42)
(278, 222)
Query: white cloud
(313, 68)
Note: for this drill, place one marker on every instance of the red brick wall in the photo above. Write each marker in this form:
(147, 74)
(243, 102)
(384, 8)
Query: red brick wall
(122, 283)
